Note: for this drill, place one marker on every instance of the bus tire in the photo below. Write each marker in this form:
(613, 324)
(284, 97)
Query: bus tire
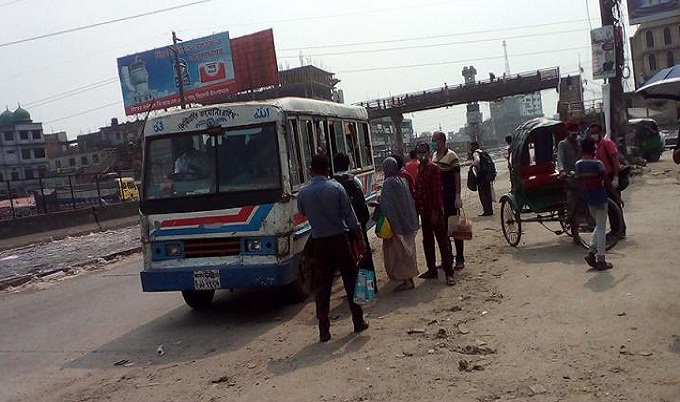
(198, 299)
(301, 288)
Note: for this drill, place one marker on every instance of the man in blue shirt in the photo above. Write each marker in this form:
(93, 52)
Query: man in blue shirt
(594, 182)
(334, 225)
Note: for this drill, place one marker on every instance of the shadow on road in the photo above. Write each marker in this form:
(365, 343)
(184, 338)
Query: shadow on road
(233, 321)
(317, 354)
(603, 280)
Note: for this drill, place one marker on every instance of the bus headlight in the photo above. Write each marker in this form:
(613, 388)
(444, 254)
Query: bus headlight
(253, 246)
(264, 245)
(171, 250)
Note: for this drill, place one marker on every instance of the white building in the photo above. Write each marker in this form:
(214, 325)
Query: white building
(22, 147)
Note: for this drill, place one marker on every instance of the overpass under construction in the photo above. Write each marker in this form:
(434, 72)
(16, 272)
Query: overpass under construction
(489, 90)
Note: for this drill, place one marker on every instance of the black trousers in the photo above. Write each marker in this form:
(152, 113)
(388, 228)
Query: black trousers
(614, 224)
(484, 190)
(333, 254)
(438, 232)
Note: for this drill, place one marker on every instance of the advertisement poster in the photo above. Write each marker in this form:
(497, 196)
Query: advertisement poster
(641, 11)
(604, 52)
(148, 79)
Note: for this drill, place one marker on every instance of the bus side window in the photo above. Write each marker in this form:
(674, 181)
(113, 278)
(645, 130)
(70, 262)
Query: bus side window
(337, 138)
(294, 157)
(307, 142)
(353, 147)
(323, 143)
(365, 145)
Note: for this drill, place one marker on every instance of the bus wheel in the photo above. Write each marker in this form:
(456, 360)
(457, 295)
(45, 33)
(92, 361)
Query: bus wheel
(300, 289)
(198, 299)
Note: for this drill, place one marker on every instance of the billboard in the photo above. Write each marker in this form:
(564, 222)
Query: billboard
(212, 68)
(255, 63)
(641, 11)
(604, 52)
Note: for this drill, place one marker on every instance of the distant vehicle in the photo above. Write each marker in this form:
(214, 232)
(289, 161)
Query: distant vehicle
(670, 138)
(647, 141)
(110, 189)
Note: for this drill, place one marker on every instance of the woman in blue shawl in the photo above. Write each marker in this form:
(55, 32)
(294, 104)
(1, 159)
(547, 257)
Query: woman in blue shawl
(397, 204)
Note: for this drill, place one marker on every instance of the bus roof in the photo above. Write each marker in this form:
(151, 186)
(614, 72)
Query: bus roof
(291, 105)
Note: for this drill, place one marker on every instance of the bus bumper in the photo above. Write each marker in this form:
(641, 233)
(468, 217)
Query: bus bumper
(230, 277)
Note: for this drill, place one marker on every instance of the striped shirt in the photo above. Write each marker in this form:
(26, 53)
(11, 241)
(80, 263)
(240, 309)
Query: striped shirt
(591, 175)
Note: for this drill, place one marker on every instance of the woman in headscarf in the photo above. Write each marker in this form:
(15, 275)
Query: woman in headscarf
(399, 208)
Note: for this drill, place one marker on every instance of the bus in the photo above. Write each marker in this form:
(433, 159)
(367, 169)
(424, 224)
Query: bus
(219, 185)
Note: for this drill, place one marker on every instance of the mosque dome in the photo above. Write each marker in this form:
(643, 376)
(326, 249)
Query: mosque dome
(6, 118)
(21, 116)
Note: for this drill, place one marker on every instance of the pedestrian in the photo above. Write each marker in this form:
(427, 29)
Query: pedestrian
(449, 165)
(508, 142)
(568, 149)
(403, 173)
(334, 226)
(412, 165)
(430, 206)
(568, 152)
(399, 208)
(608, 153)
(355, 191)
(594, 183)
(485, 170)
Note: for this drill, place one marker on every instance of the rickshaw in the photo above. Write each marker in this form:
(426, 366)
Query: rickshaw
(539, 193)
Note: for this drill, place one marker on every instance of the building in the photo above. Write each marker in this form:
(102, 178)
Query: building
(508, 113)
(655, 46)
(22, 146)
(305, 82)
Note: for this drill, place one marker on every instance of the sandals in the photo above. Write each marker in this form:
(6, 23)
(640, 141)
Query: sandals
(450, 280)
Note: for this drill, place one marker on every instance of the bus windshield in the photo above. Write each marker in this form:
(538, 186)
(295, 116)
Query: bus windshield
(211, 162)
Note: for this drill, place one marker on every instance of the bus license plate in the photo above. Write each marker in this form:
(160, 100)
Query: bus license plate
(207, 280)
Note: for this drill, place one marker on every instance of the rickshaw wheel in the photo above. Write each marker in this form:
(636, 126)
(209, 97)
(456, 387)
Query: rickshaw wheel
(583, 223)
(510, 223)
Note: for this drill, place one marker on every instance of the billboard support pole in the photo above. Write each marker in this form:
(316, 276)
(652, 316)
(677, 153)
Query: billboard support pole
(178, 70)
(618, 110)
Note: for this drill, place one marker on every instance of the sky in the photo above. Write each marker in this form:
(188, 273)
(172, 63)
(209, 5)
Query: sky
(59, 57)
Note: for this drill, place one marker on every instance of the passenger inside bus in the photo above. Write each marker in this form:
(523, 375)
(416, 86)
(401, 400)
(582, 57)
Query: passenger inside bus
(191, 164)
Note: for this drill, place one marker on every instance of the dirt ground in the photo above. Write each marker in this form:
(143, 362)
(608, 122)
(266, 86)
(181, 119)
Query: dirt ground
(525, 323)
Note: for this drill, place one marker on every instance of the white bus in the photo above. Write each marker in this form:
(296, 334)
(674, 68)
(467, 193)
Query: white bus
(218, 208)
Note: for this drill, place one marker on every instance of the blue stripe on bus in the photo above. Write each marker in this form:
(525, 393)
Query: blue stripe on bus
(254, 225)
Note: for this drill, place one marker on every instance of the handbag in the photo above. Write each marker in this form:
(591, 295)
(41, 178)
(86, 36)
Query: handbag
(460, 229)
(364, 288)
(383, 229)
(471, 180)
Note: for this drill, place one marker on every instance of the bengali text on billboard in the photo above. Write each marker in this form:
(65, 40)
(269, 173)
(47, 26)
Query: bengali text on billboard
(212, 68)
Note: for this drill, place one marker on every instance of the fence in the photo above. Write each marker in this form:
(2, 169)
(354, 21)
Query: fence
(20, 198)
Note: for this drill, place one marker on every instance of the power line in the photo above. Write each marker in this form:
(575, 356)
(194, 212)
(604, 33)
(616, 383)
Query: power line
(84, 112)
(433, 44)
(101, 23)
(72, 92)
(552, 24)
(10, 3)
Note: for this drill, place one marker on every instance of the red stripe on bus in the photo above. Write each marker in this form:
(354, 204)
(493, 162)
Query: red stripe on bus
(241, 216)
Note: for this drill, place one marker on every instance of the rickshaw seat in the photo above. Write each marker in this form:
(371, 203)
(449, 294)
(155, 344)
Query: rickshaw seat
(539, 175)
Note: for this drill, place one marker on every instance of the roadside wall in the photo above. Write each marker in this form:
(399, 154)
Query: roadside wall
(61, 220)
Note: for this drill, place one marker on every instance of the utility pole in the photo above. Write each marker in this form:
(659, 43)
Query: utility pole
(618, 109)
(179, 72)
